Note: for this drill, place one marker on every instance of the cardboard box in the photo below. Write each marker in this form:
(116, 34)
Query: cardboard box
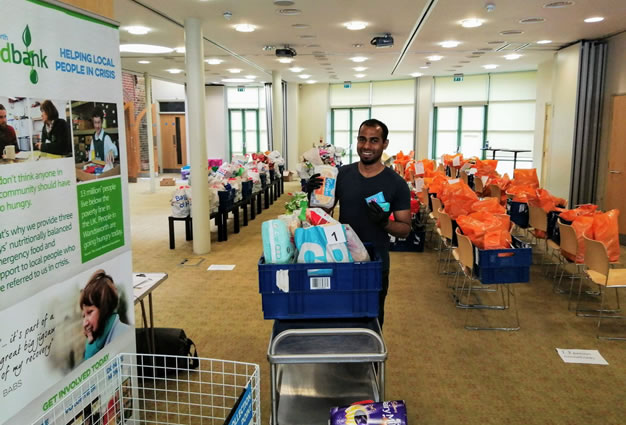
(168, 181)
(289, 176)
(83, 176)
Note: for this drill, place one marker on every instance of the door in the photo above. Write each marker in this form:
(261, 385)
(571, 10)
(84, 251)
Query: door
(616, 179)
(173, 142)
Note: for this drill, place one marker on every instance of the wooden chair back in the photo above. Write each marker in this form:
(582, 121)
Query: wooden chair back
(569, 242)
(495, 191)
(466, 251)
(445, 223)
(596, 256)
(479, 187)
(437, 205)
(425, 195)
(441, 168)
(464, 177)
(538, 218)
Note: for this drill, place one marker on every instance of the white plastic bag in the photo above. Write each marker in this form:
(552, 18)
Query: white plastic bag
(181, 202)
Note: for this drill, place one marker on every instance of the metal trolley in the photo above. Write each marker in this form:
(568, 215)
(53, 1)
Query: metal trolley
(319, 364)
(142, 389)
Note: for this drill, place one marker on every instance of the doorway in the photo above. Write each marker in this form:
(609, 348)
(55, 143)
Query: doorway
(173, 142)
(615, 197)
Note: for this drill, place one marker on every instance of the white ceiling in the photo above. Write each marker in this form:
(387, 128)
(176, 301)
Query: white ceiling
(325, 46)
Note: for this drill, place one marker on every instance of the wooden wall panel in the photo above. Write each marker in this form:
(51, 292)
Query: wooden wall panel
(99, 7)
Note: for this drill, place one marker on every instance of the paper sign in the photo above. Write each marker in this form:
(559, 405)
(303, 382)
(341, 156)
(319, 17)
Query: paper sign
(453, 181)
(456, 161)
(334, 234)
(226, 267)
(472, 171)
(419, 184)
(581, 356)
(484, 179)
(419, 167)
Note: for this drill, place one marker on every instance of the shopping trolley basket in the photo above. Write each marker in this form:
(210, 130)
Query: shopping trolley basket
(121, 392)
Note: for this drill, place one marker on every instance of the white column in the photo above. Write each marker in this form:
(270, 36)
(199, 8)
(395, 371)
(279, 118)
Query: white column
(196, 137)
(277, 111)
(148, 83)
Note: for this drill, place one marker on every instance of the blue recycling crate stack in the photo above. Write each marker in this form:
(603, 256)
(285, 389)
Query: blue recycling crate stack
(320, 290)
(519, 213)
(503, 265)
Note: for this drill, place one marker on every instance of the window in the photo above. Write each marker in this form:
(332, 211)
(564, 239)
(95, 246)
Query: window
(247, 120)
(459, 129)
(345, 124)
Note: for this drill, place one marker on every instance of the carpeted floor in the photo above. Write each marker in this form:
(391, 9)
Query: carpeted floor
(446, 374)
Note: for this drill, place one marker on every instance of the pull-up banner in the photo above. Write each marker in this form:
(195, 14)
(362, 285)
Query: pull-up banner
(66, 302)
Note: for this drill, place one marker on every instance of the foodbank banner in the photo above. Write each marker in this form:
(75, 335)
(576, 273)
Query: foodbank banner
(66, 302)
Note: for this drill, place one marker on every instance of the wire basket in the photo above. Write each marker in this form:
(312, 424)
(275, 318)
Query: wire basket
(142, 389)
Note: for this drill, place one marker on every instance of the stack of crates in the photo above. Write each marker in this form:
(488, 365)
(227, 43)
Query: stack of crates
(320, 290)
(503, 265)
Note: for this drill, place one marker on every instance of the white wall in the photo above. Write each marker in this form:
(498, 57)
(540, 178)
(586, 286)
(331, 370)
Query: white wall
(293, 114)
(545, 73)
(564, 91)
(615, 84)
(216, 122)
(165, 90)
(312, 115)
(423, 116)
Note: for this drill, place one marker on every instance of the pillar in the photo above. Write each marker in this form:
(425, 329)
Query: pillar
(148, 82)
(277, 111)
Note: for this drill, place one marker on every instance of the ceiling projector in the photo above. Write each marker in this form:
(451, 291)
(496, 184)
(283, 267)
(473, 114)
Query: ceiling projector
(382, 41)
(285, 52)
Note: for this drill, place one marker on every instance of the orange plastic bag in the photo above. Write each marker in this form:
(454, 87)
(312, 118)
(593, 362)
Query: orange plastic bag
(428, 165)
(583, 225)
(525, 177)
(458, 199)
(546, 201)
(489, 205)
(587, 209)
(523, 193)
(450, 161)
(486, 230)
(606, 230)
(486, 167)
(437, 184)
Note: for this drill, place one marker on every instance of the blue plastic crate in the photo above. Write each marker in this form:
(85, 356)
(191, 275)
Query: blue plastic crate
(412, 243)
(263, 180)
(246, 189)
(321, 290)
(519, 213)
(503, 265)
(272, 175)
(227, 199)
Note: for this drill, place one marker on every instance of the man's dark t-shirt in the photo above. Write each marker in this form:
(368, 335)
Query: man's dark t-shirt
(353, 188)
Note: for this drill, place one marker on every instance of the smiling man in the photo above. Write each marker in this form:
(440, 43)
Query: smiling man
(370, 178)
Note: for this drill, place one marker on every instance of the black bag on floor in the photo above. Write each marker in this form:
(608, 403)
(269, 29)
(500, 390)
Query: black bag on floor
(168, 342)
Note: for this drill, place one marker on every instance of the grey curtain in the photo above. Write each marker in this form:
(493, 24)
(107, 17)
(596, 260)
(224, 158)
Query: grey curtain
(268, 114)
(591, 75)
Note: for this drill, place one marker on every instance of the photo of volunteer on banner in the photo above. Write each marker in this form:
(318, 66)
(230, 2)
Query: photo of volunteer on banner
(51, 130)
(96, 141)
(15, 129)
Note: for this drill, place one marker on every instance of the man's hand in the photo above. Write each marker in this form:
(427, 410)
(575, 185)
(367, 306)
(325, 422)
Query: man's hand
(315, 182)
(377, 215)
(110, 157)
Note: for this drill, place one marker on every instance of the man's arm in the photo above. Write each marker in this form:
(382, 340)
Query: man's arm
(401, 226)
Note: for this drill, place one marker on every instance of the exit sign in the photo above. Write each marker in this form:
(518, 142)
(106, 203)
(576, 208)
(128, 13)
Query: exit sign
(347, 84)
(241, 88)
(458, 77)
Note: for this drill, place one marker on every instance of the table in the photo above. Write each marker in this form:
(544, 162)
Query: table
(515, 152)
(143, 285)
(320, 364)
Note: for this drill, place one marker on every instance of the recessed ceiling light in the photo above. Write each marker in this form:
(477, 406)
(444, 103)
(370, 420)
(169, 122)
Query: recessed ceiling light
(138, 30)
(245, 27)
(250, 77)
(284, 2)
(471, 22)
(490, 66)
(457, 66)
(416, 74)
(511, 32)
(174, 70)
(234, 70)
(285, 60)
(144, 48)
(296, 69)
(558, 4)
(359, 75)
(288, 12)
(304, 76)
(311, 82)
(531, 20)
(486, 49)
(355, 25)
(478, 53)
(360, 68)
(423, 67)
(594, 19)
(544, 42)
(358, 59)
(449, 44)
(143, 62)
(236, 80)
(434, 58)
(473, 56)
(179, 49)
(512, 56)
(325, 63)
(301, 26)
(213, 61)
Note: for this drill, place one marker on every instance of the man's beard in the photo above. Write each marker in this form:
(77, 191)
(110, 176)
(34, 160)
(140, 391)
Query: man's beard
(372, 160)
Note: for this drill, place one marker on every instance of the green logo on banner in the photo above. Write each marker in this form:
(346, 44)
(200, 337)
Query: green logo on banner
(27, 57)
(100, 217)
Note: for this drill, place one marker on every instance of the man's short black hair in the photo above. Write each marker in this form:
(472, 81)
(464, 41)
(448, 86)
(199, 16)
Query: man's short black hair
(2, 108)
(98, 113)
(372, 122)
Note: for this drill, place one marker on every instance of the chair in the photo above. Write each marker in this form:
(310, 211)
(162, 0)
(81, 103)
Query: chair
(466, 260)
(479, 187)
(569, 245)
(445, 232)
(538, 220)
(464, 177)
(495, 191)
(600, 272)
